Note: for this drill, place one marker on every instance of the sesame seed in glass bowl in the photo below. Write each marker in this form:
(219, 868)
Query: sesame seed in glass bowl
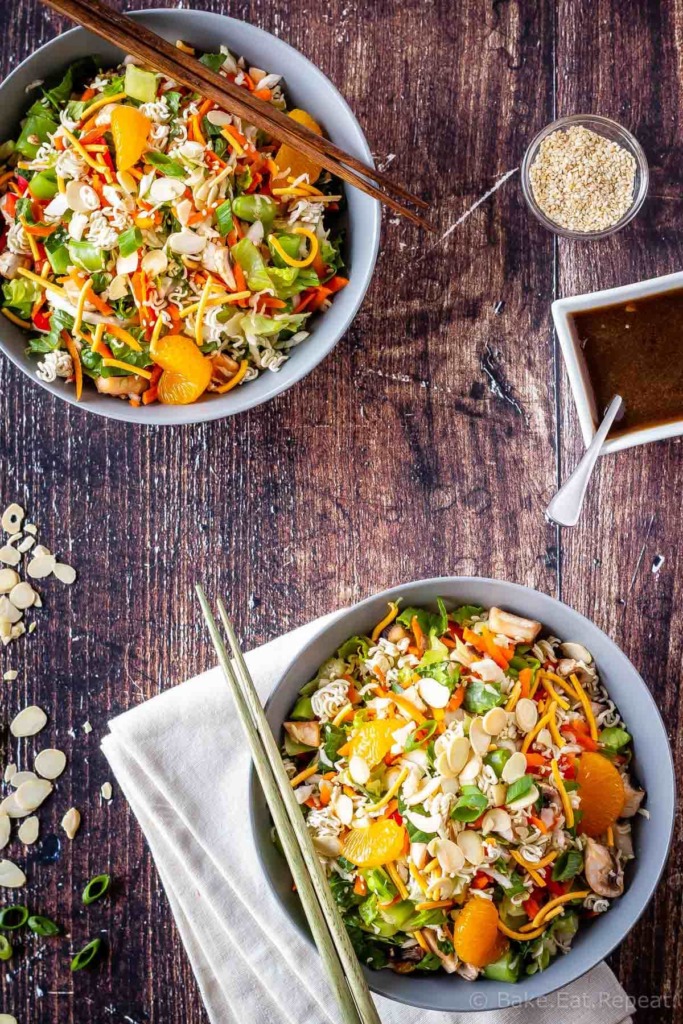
(585, 176)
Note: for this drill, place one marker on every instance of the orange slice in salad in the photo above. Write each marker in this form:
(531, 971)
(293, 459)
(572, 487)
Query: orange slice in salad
(176, 389)
(476, 938)
(130, 130)
(602, 793)
(298, 164)
(378, 844)
(374, 740)
(187, 372)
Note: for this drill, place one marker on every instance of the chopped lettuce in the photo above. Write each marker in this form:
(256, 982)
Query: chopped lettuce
(20, 295)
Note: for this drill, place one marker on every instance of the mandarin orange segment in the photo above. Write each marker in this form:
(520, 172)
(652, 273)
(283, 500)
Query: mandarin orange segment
(476, 938)
(376, 845)
(130, 130)
(374, 740)
(602, 793)
(179, 353)
(175, 389)
(298, 164)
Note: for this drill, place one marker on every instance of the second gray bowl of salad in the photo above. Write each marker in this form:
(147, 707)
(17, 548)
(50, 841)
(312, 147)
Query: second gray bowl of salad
(511, 675)
(127, 239)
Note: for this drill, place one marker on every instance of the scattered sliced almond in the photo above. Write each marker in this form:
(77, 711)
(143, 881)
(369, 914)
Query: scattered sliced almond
(30, 795)
(495, 721)
(7, 1018)
(71, 822)
(87, 728)
(5, 827)
(26, 544)
(9, 555)
(219, 118)
(8, 611)
(50, 763)
(19, 778)
(8, 580)
(471, 845)
(41, 566)
(12, 518)
(165, 190)
(514, 767)
(10, 807)
(64, 573)
(10, 771)
(479, 738)
(433, 693)
(526, 713)
(28, 830)
(10, 675)
(31, 528)
(22, 596)
(11, 876)
(107, 791)
(155, 262)
(359, 770)
(28, 722)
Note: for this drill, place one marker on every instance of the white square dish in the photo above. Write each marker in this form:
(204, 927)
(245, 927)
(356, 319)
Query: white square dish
(579, 380)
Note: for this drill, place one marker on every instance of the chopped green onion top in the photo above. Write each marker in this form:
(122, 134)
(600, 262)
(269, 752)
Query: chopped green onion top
(13, 917)
(87, 955)
(96, 888)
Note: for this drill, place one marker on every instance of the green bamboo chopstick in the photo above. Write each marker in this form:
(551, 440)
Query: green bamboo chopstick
(329, 932)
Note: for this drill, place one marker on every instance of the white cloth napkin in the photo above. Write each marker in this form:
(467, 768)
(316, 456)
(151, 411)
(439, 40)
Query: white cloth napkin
(181, 761)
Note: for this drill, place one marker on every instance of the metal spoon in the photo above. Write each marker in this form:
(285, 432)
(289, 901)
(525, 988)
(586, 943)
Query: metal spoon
(565, 507)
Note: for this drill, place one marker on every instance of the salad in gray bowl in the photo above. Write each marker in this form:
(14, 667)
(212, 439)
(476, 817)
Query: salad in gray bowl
(472, 760)
(166, 261)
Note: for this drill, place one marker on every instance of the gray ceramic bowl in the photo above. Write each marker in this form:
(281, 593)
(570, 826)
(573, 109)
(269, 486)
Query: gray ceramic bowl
(307, 87)
(653, 767)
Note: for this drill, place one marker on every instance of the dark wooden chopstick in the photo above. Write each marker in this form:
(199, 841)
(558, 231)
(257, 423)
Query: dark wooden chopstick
(135, 38)
(332, 939)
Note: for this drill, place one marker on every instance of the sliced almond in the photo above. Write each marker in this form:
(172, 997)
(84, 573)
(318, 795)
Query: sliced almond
(8, 611)
(165, 190)
(64, 573)
(10, 807)
(359, 770)
(186, 243)
(498, 793)
(106, 791)
(10, 675)
(514, 767)
(127, 264)
(40, 549)
(26, 544)
(127, 182)
(5, 829)
(81, 198)
(219, 118)
(50, 763)
(30, 795)
(449, 855)
(8, 580)
(9, 555)
(433, 693)
(7, 1018)
(524, 801)
(22, 596)
(478, 736)
(19, 778)
(155, 262)
(526, 714)
(327, 846)
(71, 822)
(10, 771)
(496, 820)
(41, 566)
(343, 808)
(576, 651)
(471, 845)
(470, 771)
(28, 830)
(12, 518)
(494, 721)
(11, 876)
(28, 722)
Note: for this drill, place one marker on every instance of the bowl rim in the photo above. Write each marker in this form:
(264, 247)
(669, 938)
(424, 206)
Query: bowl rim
(579, 380)
(629, 142)
(219, 406)
(484, 1000)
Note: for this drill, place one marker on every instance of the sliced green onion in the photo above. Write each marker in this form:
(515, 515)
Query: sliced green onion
(130, 241)
(43, 925)
(96, 888)
(13, 917)
(86, 956)
(224, 218)
(5, 948)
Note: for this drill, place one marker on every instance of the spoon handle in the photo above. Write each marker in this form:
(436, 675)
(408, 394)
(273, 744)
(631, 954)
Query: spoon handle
(565, 507)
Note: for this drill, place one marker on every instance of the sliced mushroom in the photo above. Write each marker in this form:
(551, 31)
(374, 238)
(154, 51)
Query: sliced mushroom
(121, 387)
(603, 872)
(307, 733)
(450, 962)
(623, 841)
(633, 798)
(514, 626)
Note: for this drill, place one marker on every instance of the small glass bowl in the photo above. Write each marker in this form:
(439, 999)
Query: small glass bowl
(615, 133)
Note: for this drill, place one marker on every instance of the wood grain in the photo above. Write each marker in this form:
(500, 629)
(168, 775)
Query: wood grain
(428, 443)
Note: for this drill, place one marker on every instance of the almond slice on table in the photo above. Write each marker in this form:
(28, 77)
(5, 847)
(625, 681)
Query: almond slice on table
(41, 566)
(7, 1018)
(28, 722)
(50, 763)
(8, 580)
(28, 830)
(12, 518)
(8, 611)
(64, 573)
(71, 822)
(5, 828)
(33, 793)
(9, 555)
(19, 778)
(22, 596)
(11, 876)
(10, 807)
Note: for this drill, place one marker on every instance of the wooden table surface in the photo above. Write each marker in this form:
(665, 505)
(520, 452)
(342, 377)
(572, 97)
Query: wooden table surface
(428, 443)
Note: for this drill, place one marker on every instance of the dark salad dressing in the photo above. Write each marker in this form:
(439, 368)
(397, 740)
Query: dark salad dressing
(635, 349)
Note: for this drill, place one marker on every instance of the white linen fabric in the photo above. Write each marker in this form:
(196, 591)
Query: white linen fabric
(183, 766)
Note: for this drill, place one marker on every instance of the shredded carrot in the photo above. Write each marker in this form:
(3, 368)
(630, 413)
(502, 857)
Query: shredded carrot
(93, 298)
(263, 94)
(525, 676)
(420, 638)
(540, 825)
(456, 700)
(360, 886)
